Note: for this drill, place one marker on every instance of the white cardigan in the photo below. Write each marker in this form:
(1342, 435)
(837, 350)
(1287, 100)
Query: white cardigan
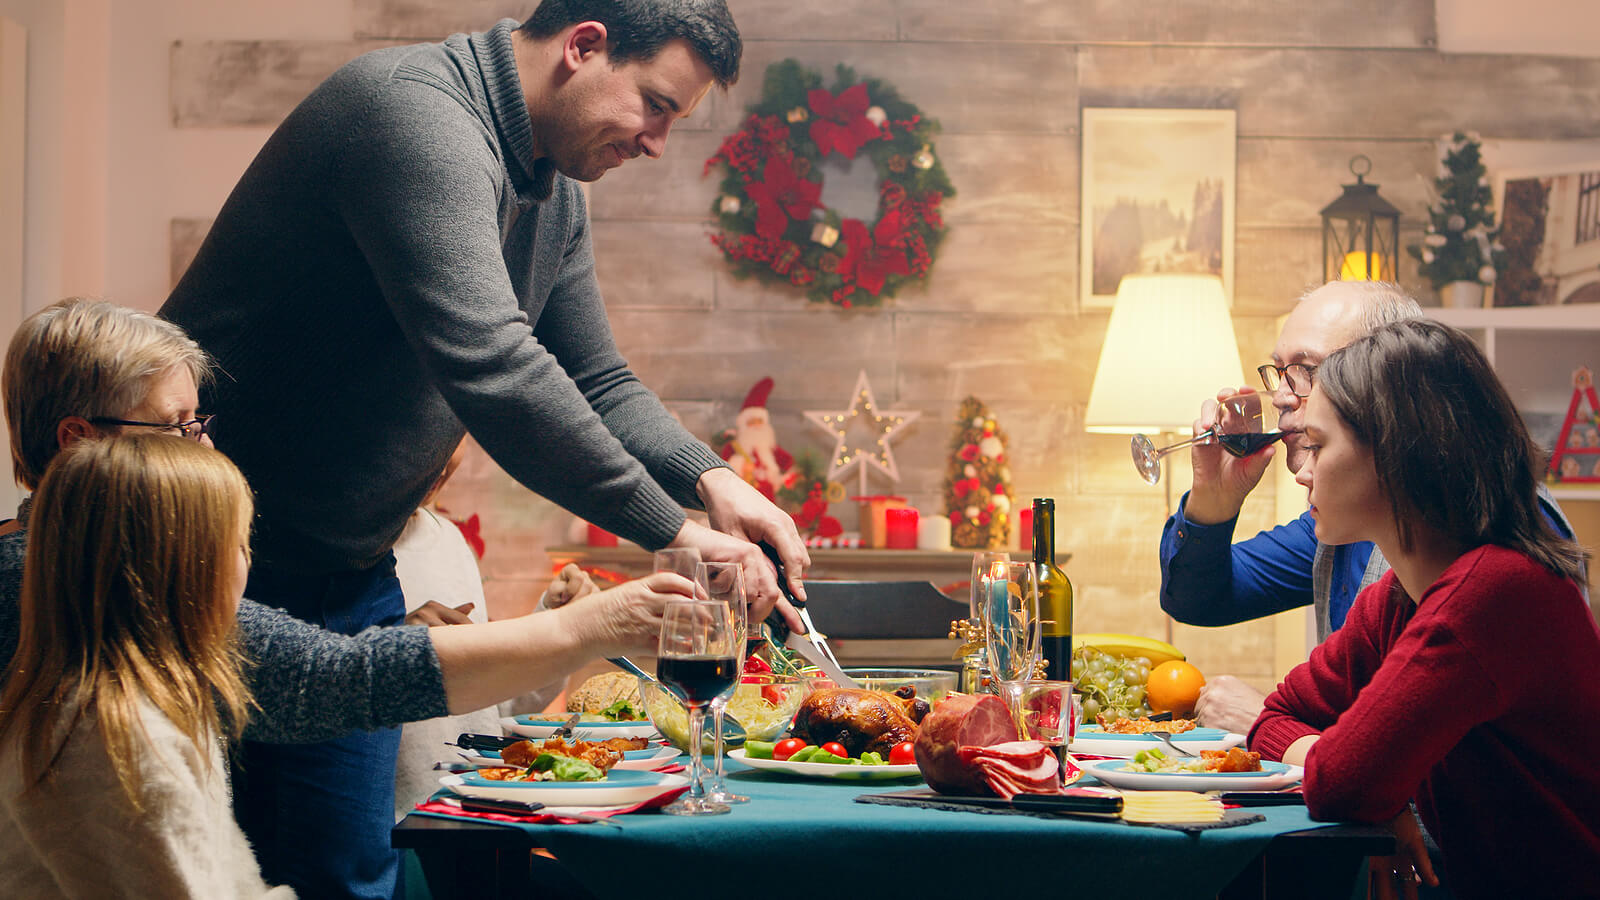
(76, 835)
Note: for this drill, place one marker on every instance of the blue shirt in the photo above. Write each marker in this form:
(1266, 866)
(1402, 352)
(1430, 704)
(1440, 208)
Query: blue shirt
(1206, 579)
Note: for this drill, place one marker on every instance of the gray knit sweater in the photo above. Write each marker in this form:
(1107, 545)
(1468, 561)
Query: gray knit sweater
(396, 267)
(311, 684)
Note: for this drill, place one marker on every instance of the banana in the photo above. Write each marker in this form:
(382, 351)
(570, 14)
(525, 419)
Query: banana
(1156, 651)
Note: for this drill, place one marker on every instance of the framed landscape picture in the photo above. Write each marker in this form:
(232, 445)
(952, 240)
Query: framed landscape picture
(1157, 188)
(1550, 227)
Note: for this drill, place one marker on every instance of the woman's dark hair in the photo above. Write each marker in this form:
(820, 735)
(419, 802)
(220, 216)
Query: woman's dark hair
(638, 29)
(1449, 447)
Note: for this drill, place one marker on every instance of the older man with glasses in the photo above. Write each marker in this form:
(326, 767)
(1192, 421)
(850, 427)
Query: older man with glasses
(1206, 578)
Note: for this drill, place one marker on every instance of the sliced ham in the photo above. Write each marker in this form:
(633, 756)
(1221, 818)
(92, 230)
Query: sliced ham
(961, 720)
(1016, 767)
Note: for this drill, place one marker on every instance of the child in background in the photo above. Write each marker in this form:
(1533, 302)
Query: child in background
(126, 679)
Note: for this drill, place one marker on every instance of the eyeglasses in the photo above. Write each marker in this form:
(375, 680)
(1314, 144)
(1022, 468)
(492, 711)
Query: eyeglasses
(194, 429)
(1298, 376)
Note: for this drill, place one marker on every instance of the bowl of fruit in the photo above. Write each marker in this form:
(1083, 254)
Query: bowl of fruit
(764, 705)
(1126, 676)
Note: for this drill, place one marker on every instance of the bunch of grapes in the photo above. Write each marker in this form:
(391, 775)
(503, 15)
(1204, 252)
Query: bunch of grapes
(1108, 685)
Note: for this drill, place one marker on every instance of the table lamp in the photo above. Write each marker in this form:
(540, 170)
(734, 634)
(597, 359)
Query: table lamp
(1169, 347)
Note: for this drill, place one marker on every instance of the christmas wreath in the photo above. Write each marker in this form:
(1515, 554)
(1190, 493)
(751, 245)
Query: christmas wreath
(773, 225)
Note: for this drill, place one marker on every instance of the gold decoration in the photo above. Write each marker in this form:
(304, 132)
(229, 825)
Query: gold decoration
(798, 114)
(923, 159)
(881, 427)
(729, 205)
(824, 234)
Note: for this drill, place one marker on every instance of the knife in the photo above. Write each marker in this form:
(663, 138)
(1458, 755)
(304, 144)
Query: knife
(818, 642)
(565, 731)
(484, 741)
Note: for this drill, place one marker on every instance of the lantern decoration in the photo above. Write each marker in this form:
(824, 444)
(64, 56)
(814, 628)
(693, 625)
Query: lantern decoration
(1360, 232)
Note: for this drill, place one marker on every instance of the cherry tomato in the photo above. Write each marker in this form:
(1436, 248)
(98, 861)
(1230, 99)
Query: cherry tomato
(836, 748)
(755, 665)
(903, 755)
(772, 694)
(787, 748)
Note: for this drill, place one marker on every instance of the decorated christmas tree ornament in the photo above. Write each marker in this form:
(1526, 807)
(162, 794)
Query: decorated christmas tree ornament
(729, 205)
(977, 486)
(751, 446)
(772, 166)
(862, 434)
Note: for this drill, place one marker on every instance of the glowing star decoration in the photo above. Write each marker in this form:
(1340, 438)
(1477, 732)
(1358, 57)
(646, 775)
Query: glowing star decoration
(862, 434)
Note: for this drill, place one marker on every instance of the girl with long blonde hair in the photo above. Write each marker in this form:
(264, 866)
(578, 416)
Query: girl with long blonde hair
(126, 681)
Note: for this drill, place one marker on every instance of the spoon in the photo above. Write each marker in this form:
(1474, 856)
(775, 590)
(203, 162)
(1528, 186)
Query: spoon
(1165, 737)
(732, 731)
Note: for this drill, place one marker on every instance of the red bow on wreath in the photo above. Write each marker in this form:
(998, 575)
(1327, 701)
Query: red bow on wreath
(873, 257)
(782, 196)
(841, 122)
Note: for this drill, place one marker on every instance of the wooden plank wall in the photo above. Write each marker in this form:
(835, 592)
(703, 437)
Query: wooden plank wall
(1313, 85)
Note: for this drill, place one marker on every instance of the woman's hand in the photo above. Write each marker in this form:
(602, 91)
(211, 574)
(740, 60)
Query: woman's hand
(569, 584)
(626, 618)
(1393, 877)
(435, 613)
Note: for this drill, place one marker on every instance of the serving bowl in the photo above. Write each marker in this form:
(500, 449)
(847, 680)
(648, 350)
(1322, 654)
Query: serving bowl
(764, 705)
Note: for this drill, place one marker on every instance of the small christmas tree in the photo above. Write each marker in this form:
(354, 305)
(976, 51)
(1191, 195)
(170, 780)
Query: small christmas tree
(1461, 241)
(977, 488)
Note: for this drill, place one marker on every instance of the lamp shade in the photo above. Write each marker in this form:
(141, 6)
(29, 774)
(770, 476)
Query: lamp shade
(1169, 347)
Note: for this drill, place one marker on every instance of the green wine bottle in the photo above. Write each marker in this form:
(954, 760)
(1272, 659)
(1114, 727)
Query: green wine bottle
(1055, 593)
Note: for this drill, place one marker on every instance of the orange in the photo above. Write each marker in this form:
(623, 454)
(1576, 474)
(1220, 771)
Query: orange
(1174, 686)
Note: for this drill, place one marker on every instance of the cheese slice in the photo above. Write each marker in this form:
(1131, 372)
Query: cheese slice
(1170, 807)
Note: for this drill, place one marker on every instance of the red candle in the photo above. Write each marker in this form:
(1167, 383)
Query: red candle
(599, 537)
(900, 528)
(1025, 534)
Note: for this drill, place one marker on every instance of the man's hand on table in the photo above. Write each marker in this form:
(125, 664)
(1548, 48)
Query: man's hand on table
(435, 613)
(1230, 704)
(1221, 480)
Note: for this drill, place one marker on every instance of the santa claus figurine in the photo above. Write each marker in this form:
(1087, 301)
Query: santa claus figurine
(751, 446)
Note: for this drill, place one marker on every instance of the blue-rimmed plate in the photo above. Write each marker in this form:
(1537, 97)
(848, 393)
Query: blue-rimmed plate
(1092, 741)
(1273, 775)
(596, 730)
(644, 760)
(618, 789)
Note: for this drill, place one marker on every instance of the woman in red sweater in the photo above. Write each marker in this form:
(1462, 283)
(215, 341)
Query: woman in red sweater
(1464, 678)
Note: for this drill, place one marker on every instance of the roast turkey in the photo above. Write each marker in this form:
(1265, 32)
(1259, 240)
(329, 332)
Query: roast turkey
(860, 720)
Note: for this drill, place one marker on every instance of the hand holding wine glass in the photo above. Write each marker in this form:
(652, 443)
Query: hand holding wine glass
(1221, 480)
(698, 661)
(1238, 429)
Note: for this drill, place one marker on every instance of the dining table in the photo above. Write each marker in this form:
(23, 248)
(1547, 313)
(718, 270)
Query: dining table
(816, 837)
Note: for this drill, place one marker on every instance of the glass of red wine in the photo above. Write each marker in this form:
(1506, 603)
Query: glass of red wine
(698, 662)
(1239, 429)
(724, 583)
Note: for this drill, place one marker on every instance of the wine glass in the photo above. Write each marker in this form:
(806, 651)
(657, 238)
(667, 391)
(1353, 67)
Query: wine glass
(1011, 626)
(698, 661)
(981, 561)
(724, 583)
(1239, 430)
(677, 560)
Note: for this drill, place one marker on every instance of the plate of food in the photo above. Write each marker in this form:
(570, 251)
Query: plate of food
(835, 770)
(615, 789)
(543, 726)
(1126, 737)
(651, 756)
(1213, 770)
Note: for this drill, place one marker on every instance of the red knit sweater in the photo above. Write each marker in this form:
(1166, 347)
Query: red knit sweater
(1482, 702)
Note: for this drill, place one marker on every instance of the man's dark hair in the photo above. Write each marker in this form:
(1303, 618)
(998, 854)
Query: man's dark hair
(638, 29)
(1449, 446)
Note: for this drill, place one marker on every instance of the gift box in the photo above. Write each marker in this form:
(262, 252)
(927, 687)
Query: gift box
(874, 515)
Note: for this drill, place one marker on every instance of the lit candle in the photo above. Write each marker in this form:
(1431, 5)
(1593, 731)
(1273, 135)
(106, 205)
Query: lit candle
(900, 528)
(933, 533)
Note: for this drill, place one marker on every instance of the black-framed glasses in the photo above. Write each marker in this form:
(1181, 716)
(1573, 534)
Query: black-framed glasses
(194, 429)
(1298, 376)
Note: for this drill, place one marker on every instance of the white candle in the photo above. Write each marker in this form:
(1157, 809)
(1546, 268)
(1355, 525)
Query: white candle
(933, 533)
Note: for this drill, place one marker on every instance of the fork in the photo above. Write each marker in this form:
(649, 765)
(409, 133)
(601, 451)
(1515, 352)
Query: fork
(565, 730)
(1165, 737)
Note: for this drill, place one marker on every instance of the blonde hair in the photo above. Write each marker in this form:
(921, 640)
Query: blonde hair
(88, 358)
(126, 599)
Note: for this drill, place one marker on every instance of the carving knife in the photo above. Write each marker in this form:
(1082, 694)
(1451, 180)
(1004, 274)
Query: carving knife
(812, 645)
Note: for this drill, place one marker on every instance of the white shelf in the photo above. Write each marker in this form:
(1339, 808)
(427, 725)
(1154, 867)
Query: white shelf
(1582, 317)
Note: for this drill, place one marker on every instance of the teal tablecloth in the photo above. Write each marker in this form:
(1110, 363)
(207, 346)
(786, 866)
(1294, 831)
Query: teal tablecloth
(806, 836)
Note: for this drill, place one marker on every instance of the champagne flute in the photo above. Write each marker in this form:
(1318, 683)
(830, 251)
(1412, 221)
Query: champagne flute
(1239, 430)
(698, 661)
(677, 560)
(724, 583)
(1011, 625)
(981, 561)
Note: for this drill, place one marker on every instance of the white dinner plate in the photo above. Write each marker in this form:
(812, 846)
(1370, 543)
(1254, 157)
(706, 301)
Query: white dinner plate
(598, 730)
(1273, 775)
(644, 760)
(1092, 741)
(619, 788)
(828, 770)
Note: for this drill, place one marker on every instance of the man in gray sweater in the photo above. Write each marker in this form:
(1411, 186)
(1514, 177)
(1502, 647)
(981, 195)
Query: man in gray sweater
(409, 259)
